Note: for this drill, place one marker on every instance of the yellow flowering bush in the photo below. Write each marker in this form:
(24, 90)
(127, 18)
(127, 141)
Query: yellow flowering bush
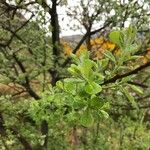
(99, 46)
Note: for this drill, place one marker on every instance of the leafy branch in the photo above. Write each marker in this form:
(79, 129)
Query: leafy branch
(135, 71)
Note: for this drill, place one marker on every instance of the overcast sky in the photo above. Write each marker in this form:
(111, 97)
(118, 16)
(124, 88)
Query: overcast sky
(65, 23)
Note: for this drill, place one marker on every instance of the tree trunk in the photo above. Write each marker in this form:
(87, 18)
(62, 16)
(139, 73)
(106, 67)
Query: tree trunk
(55, 29)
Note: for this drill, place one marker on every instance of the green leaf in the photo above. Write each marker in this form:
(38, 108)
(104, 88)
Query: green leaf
(100, 77)
(136, 89)
(104, 113)
(86, 68)
(129, 97)
(59, 84)
(97, 88)
(130, 34)
(74, 70)
(134, 57)
(131, 49)
(106, 106)
(75, 58)
(89, 89)
(93, 88)
(109, 55)
(96, 103)
(115, 37)
(79, 103)
(103, 63)
(70, 86)
(87, 119)
(84, 56)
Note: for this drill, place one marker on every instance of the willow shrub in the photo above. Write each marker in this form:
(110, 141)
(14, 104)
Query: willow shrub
(81, 101)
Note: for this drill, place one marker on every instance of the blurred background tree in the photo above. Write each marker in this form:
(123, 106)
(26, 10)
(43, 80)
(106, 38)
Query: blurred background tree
(34, 56)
